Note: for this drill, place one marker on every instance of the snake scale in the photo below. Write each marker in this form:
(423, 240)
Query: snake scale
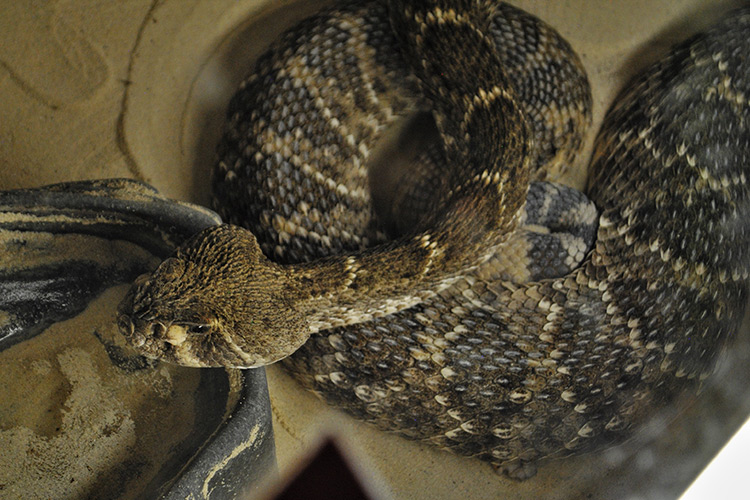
(428, 330)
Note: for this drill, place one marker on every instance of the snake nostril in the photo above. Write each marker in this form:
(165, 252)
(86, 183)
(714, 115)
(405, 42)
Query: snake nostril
(157, 330)
(126, 325)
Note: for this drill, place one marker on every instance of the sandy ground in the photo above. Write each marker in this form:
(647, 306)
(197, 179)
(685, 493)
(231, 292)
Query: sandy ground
(137, 88)
(72, 425)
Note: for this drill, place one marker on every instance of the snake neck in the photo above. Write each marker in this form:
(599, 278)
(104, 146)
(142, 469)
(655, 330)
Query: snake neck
(344, 290)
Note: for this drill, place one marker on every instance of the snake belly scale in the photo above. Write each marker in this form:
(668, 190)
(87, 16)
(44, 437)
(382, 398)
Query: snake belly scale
(430, 332)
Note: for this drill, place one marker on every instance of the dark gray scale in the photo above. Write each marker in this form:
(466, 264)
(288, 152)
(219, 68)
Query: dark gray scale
(559, 224)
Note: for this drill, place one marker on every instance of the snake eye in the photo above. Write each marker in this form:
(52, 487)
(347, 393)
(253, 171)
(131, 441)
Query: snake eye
(198, 329)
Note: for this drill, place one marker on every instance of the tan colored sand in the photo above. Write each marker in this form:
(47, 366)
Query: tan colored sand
(92, 89)
(72, 425)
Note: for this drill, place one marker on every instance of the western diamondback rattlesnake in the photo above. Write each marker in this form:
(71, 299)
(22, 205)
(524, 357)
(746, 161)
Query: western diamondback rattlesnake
(430, 332)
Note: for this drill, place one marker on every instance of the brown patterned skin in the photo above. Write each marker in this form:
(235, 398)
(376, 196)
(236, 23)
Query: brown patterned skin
(425, 334)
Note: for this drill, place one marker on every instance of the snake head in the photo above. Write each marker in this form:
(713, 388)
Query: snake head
(217, 301)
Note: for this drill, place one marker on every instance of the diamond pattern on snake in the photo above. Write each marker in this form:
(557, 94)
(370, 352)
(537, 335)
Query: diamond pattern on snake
(485, 310)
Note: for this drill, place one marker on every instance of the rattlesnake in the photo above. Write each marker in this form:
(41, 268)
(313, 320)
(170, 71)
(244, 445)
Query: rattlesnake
(431, 332)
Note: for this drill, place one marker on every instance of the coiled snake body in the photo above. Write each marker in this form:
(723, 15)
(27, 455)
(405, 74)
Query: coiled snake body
(429, 331)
